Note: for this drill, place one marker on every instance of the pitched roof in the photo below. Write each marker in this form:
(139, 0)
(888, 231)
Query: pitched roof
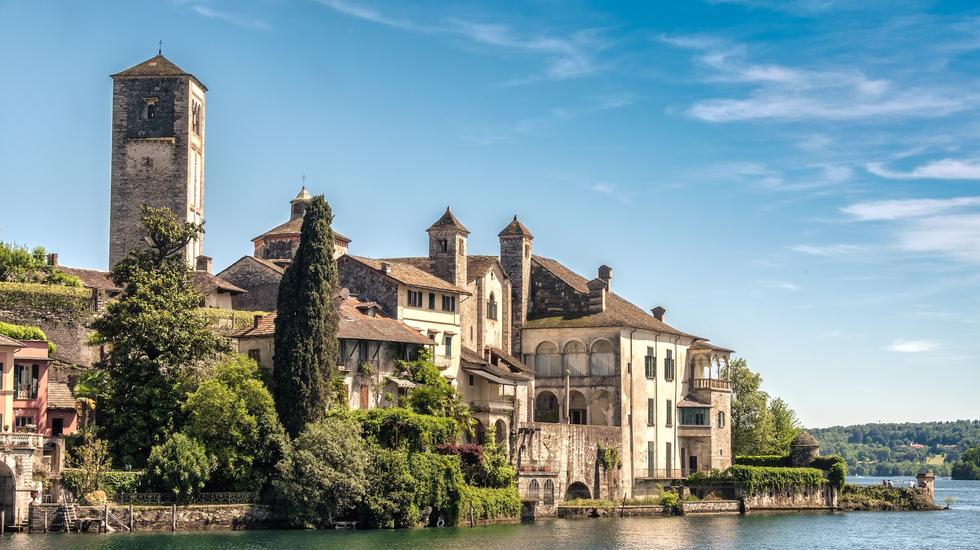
(449, 221)
(60, 396)
(293, 227)
(515, 228)
(354, 324)
(691, 402)
(703, 344)
(406, 272)
(471, 360)
(303, 195)
(91, 278)
(157, 66)
(476, 266)
(7, 341)
(208, 284)
(618, 313)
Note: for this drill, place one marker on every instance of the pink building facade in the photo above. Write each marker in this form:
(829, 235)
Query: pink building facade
(27, 402)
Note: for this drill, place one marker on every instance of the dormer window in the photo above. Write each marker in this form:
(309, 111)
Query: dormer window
(149, 108)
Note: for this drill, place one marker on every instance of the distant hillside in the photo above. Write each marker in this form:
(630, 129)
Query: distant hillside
(899, 449)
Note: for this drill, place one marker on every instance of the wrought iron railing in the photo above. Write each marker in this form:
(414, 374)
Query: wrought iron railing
(231, 497)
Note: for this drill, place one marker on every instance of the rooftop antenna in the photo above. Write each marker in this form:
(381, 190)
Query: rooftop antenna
(160, 47)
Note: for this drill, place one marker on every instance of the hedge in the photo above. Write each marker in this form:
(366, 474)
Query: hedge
(230, 319)
(489, 503)
(754, 479)
(398, 428)
(70, 301)
(772, 461)
(113, 482)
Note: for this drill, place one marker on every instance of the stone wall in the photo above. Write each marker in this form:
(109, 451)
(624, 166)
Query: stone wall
(806, 498)
(711, 507)
(550, 296)
(261, 282)
(64, 322)
(566, 454)
(369, 285)
(201, 517)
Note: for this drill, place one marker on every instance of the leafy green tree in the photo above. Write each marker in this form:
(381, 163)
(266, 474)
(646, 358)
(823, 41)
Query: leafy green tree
(969, 465)
(785, 426)
(232, 414)
(157, 344)
(433, 394)
(20, 265)
(180, 466)
(324, 478)
(306, 382)
(88, 391)
(498, 472)
(751, 420)
(390, 498)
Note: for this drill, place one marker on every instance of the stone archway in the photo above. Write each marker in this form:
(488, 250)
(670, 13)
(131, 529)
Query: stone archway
(8, 491)
(546, 408)
(577, 490)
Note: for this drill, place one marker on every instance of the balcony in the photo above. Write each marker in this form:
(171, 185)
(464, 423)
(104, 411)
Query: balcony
(712, 384)
(492, 406)
(21, 440)
(25, 391)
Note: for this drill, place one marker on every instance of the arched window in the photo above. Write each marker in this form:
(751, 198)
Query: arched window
(546, 407)
(603, 358)
(547, 361)
(721, 419)
(492, 307)
(575, 359)
(549, 492)
(534, 490)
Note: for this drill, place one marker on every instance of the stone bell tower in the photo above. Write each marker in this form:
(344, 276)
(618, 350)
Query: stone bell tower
(157, 151)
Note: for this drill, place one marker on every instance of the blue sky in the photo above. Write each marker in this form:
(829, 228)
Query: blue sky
(796, 180)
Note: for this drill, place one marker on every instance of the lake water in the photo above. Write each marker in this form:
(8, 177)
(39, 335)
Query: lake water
(956, 528)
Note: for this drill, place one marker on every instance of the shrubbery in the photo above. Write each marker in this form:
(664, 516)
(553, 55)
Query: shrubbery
(180, 467)
(755, 479)
(763, 460)
(113, 482)
(489, 503)
(403, 429)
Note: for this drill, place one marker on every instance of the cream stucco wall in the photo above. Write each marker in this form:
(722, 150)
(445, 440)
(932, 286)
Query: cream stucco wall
(434, 322)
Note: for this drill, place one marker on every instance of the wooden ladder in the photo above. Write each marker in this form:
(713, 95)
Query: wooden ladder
(69, 516)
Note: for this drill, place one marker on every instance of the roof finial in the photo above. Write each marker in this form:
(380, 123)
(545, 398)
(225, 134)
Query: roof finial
(303, 177)
(160, 47)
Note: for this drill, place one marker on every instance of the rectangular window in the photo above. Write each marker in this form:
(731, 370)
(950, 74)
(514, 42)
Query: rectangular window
(670, 413)
(432, 300)
(23, 421)
(651, 408)
(25, 381)
(721, 419)
(694, 417)
(651, 458)
(449, 303)
(255, 355)
(414, 298)
(151, 110)
(2, 378)
(472, 380)
(670, 460)
(669, 366)
(447, 345)
(650, 363)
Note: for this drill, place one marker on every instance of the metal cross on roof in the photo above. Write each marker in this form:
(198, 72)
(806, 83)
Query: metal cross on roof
(160, 47)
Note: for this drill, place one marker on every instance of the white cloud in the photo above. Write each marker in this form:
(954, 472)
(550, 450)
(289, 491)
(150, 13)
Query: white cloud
(241, 21)
(787, 93)
(912, 346)
(828, 250)
(566, 57)
(606, 188)
(948, 169)
(906, 208)
(957, 236)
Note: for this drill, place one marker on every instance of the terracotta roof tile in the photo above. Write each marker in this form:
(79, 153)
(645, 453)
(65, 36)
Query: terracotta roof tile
(618, 312)
(476, 266)
(703, 344)
(293, 227)
(471, 360)
(60, 396)
(208, 284)
(690, 402)
(354, 324)
(406, 271)
(7, 341)
(91, 278)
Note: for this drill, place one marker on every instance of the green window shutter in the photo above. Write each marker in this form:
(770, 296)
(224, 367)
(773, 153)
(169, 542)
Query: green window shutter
(651, 410)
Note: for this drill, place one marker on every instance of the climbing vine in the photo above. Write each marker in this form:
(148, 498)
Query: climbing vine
(608, 457)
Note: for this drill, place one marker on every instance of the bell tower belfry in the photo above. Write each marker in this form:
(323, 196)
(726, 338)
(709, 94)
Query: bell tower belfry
(157, 151)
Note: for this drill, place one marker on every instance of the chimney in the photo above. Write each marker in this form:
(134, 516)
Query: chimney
(256, 320)
(605, 273)
(597, 295)
(386, 268)
(53, 259)
(204, 264)
(658, 312)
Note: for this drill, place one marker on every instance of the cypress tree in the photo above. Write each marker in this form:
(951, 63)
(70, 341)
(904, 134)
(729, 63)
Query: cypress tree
(306, 325)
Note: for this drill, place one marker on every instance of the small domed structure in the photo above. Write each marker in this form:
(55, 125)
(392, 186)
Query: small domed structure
(803, 449)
